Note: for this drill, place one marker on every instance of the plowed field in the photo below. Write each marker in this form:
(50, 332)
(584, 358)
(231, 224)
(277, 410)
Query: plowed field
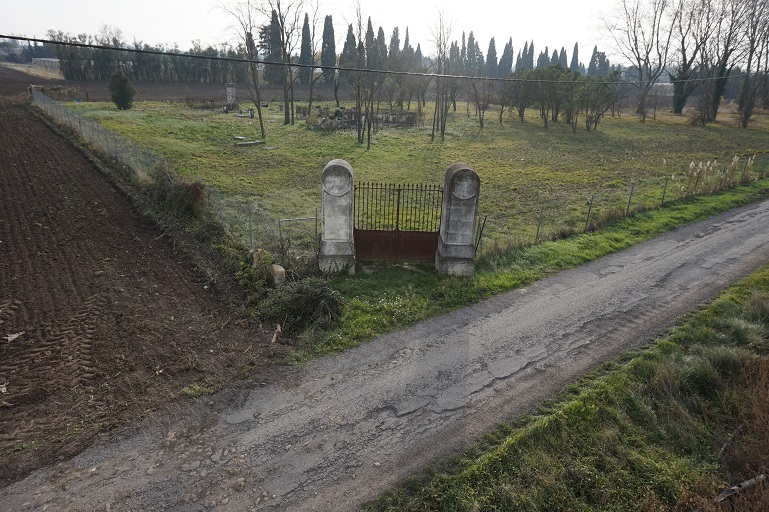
(99, 321)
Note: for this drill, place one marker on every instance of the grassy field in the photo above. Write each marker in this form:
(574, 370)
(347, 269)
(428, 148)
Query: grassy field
(523, 167)
(664, 428)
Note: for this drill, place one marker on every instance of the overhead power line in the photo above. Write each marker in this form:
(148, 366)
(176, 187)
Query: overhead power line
(336, 68)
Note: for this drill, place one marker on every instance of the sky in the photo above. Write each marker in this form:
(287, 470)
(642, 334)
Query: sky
(552, 23)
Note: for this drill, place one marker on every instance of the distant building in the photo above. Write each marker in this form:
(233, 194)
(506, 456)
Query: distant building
(52, 64)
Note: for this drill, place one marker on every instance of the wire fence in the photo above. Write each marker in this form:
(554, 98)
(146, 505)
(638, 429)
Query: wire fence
(560, 216)
(241, 220)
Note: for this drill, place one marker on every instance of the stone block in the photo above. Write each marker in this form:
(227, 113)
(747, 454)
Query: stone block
(277, 275)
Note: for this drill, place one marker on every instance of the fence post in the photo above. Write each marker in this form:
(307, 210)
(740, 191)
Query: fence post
(250, 230)
(630, 199)
(539, 225)
(589, 209)
(664, 191)
(221, 211)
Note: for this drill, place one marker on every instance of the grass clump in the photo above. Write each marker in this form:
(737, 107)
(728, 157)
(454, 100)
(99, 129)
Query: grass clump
(198, 389)
(666, 428)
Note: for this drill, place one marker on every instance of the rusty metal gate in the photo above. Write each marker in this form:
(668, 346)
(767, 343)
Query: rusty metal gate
(397, 222)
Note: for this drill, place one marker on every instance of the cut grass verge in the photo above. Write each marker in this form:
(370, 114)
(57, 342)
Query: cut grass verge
(664, 428)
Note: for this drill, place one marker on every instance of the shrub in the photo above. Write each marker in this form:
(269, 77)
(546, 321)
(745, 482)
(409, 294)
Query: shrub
(302, 304)
(180, 198)
(121, 91)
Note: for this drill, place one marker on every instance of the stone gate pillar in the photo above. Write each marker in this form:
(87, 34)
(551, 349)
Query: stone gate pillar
(456, 241)
(337, 247)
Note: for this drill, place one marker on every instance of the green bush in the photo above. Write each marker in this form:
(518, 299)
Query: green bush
(302, 304)
(121, 91)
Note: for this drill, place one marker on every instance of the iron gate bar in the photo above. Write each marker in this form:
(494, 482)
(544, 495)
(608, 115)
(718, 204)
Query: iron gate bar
(387, 206)
(396, 222)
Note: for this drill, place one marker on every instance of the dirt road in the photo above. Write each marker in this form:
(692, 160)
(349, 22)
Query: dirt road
(339, 430)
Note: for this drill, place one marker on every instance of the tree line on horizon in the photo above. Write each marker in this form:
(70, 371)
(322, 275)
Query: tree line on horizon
(171, 63)
(699, 44)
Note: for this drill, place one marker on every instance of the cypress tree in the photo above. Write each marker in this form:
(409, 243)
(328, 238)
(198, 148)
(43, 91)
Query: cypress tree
(406, 46)
(505, 66)
(524, 57)
(562, 59)
(305, 54)
(491, 59)
(530, 57)
(328, 50)
(543, 60)
(471, 61)
(380, 49)
(479, 60)
(592, 68)
(574, 66)
(369, 44)
(271, 47)
(395, 44)
(349, 56)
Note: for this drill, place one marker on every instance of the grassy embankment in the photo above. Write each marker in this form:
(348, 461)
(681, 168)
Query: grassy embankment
(522, 167)
(663, 428)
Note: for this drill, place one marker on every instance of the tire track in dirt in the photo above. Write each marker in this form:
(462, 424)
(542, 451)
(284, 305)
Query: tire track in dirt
(63, 352)
(31, 235)
(112, 326)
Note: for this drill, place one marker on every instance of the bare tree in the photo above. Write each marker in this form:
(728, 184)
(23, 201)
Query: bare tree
(756, 42)
(366, 78)
(315, 43)
(693, 27)
(642, 32)
(441, 37)
(482, 98)
(521, 92)
(246, 15)
(722, 51)
(288, 17)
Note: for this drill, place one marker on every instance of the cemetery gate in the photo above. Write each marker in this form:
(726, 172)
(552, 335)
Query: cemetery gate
(396, 223)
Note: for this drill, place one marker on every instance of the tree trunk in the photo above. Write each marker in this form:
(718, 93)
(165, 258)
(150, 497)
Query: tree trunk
(720, 83)
(255, 83)
(312, 86)
(336, 90)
